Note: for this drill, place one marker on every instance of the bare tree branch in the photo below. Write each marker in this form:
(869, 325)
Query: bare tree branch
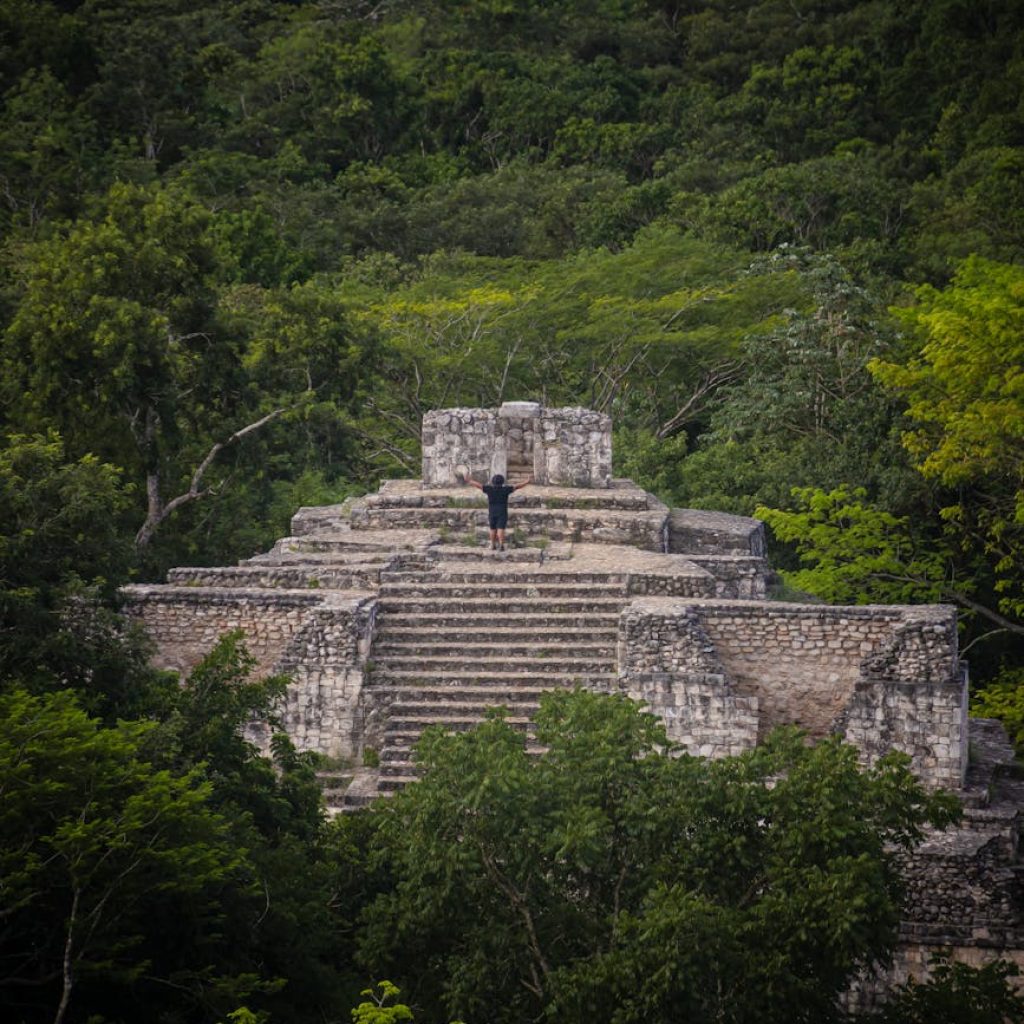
(715, 378)
(158, 510)
(66, 976)
(960, 598)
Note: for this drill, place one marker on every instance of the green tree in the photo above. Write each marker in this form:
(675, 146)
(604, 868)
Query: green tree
(64, 549)
(379, 1008)
(607, 880)
(955, 993)
(802, 408)
(295, 922)
(964, 388)
(122, 341)
(855, 552)
(49, 151)
(94, 841)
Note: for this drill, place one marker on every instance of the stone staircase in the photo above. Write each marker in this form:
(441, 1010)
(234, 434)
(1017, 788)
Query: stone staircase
(452, 644)
(619, 514)
(459, 629)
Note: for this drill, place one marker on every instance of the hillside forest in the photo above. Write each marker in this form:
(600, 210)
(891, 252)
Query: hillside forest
(246, 244)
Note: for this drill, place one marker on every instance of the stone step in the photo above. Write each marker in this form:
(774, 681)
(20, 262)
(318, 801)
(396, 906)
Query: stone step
(401, 763)
(401, 769)
(334, 796)
(370, 559)
(392, 632)
(461, 679)
(291, 576)
(474, 650)
(406, 732)
(455, 666)
(424, 697)
(392, 784)
(465, 675)
(511, 577)
(482, 553)
(485, 619)
(530, 498)
(498, 605)
(643, 529)
(428, 698)
(339, 544)
(356, 801)
(496, 588)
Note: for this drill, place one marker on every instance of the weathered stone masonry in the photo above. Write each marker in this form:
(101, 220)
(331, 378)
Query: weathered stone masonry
(321, 640)
(570, 447)
(885, 678)
(382, 612)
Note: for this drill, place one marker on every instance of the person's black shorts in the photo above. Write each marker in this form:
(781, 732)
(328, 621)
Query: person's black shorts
(497, 519)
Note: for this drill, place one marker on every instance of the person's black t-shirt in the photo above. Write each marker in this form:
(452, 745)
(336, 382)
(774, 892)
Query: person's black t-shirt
(497, 495)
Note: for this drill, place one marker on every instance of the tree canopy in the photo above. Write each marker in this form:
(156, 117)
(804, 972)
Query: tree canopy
(607, 880)
(245, 244)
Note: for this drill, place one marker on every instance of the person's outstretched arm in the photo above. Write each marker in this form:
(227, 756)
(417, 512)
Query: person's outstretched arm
(525, 483)
(472, 483)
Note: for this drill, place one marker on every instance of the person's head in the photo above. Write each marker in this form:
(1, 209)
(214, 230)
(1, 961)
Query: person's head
(497, 479)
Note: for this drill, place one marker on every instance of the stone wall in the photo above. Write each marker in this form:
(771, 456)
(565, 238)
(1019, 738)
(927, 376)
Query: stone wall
(699, 710)
(692, 583)
(327, 665)
(569, 447)
(320, 640)
(886, 678)
(963, 889)
(460, 437)
(574, 448)
(700, 532)
(743, 577)
(304, 576)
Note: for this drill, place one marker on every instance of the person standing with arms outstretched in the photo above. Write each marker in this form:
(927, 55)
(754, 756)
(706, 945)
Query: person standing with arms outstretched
(497, 492)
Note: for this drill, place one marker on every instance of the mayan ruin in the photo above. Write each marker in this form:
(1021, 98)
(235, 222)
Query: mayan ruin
(382, 611)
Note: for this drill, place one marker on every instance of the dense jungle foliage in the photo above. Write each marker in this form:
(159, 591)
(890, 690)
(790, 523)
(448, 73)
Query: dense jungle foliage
(245, 244)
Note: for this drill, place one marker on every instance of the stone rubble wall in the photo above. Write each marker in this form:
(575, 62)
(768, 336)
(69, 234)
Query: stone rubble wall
(913, 960)
(926, 720)
(457, 437)
(809, 665)
(963, 889)
(656, 584)
(912, 696)
(569, 447)
(575, 448)
(740, 577)
(288, 577)
(700, 532)
(699, 710)
(321, 640)
(606, 526)
(186, 622)
(327, 665)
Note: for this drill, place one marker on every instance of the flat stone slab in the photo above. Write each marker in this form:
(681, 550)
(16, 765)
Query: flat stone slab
(170, 594)
(481, 553)
(621, 493)
(936, 613)
(293, 576)
(312, 527)
(697, 531)
(621, 558)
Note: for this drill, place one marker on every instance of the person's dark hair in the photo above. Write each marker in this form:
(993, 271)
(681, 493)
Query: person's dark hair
(497, 479)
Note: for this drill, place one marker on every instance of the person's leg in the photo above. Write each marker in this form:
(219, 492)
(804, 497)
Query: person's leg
(494, 539)
(500, 522)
